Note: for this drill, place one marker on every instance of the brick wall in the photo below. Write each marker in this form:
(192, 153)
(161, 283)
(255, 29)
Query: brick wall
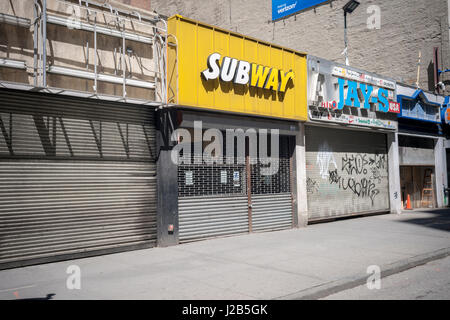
(407, 26)
(142, 4)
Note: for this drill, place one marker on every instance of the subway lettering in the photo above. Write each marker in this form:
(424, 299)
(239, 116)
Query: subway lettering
(244, 72)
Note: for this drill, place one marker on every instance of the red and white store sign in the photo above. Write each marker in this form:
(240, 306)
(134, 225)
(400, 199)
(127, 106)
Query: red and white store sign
(394, 107)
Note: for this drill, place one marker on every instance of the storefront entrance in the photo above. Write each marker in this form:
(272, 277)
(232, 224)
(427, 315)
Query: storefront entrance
(346, 171)
(417, 171)
(233, 198)
(417, 182)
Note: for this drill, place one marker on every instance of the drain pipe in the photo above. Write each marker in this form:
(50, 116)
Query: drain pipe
(37, 13)
(44, 41)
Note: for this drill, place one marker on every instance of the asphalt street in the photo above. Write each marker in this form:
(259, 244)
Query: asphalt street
(427, 282)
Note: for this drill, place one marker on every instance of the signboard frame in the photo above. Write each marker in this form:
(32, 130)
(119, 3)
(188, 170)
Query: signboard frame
(293, 7)
(188, 64)
(334, 88)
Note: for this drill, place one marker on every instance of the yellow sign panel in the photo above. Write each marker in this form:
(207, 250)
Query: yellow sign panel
(216, 69)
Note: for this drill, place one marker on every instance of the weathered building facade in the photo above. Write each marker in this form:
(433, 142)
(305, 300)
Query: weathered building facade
(80, 83)
(422, 160)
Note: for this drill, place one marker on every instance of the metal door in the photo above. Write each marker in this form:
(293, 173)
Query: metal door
(225, 199)
(77, 177)
(271, 195)
(346, 171)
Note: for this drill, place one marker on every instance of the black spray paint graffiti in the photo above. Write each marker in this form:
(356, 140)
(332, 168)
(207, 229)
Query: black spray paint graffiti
(361, 187)
(357, 164)
(354, 164)
(311, 186)
(378, 161)
(376, 174)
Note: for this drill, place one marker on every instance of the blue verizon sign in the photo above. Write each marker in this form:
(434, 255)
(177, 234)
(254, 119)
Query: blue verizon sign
(283, 8)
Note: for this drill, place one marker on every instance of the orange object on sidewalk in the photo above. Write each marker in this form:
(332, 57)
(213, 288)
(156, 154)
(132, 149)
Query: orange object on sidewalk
(408, 203)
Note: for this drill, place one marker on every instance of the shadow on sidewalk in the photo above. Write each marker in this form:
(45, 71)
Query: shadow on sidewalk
(48, 297)
(439, 219)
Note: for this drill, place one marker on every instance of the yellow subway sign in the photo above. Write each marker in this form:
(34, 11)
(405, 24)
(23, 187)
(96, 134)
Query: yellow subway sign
(243, 72)
(215, 69)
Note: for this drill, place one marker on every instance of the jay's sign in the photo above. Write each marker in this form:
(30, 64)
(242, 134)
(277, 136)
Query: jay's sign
(350, 96)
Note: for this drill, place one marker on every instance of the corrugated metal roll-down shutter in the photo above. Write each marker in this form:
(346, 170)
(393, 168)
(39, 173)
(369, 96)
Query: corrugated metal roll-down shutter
(204, 217)
(212, 200)
(271, 212)
(77, 178)
(271, 196)
(346, 172)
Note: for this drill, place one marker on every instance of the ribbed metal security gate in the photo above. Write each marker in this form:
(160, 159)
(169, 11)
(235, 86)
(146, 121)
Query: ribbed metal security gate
(271, 197)
(224, 199)
(212, 200)
(346, 171)
(77, 177)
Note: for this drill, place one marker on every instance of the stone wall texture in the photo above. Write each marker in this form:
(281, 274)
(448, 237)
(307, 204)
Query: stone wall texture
(407, 27)
(143, 4)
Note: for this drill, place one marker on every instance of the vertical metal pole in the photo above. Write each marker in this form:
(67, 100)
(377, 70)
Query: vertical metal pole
(291, 152)
(345, 39)
(44, 43)
(124, 92)
(35, 44)
(436, 69)
(163, 59)
(156, 65)
(115, 61)
(87, 55)
(249, 188)
(95, 53)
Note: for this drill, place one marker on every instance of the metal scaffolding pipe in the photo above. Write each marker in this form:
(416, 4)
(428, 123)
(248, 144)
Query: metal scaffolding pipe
(35, 42)
(11, 63)
(115, 12)
(100, 77)
(14, 20)
(95, 53)
(100, 29)
(42, 67)
(44, 43)
(123, 61)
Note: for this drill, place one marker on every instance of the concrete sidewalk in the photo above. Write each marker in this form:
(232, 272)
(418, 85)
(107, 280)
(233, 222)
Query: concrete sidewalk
(292, 264)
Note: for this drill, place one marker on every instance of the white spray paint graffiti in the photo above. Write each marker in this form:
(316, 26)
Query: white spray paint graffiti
(325, 157)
